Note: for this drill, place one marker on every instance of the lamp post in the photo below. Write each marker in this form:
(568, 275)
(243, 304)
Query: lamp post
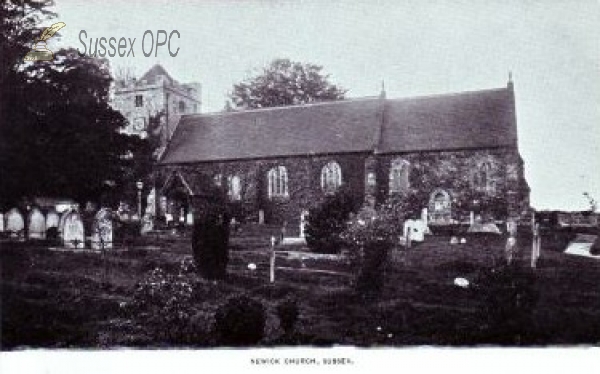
(139, 186)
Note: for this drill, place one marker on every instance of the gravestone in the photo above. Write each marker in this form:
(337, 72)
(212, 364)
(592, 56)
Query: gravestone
(52, 219)
(15, 224)
(2, 222)
(147, 224)
(303, 223)
(189, 219)
(472, 218)
(425, 219)
(36, 228)
(73, 233)
(61, 222)
(261, 217)
(102, 230)
(151, 203)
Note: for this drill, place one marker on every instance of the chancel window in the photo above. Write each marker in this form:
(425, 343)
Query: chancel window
(331, 177)
(234, 187)
(277, 182)
(399, 176)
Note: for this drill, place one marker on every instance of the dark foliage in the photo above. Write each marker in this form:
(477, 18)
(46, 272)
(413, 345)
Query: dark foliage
(327, 221)
(285, 82)
(240, 322)
(56, 123)
(210, 244)
(288, 313)
(371, 276)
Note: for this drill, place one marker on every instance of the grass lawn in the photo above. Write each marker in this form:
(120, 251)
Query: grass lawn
(64, 299)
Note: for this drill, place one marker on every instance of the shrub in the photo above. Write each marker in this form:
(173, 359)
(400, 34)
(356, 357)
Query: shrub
(210, 242)
(240, 322)
(288, 313)
(327, 221)
(164, 303)
(369, 236)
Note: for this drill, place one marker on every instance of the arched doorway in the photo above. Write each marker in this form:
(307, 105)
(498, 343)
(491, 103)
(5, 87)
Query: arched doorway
(175, 201)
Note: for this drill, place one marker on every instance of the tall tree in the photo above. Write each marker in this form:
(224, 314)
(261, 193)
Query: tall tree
(284, 82)
(58, 134)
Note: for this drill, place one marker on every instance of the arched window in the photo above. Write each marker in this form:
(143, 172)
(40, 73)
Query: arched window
(399, 176)
(181, 107)
(481, 177)
(277, 182)
(234, 187)
(331, 177)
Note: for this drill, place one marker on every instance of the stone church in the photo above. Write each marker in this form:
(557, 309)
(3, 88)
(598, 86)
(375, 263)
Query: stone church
(154, 92)
(457, 152)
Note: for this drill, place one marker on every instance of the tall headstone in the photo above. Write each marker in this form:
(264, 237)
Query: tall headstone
(61, 222)
(147, 224)
(2, 222)
(261, 217)
(303, 223)
(102, 230)
(472, 218)
(52, 219)
(73, 232)
(189, 220)
(36, 228)
(151, 203)
(15, 224)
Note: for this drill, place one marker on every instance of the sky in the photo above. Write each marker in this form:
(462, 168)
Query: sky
(417, 48)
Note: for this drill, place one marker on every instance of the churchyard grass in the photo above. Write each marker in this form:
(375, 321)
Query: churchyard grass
(62, 299)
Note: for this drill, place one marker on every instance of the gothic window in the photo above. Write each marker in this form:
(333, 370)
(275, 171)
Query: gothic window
(234, 187)
(481, 177)
(399, 176)
(139, 101)
(331, 177)
(277, 182)
(181, 107)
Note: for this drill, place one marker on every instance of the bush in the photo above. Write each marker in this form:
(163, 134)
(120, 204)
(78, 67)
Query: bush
(210, 242)
(369, 236)
(288, 313)
(327, 221)
(164, 303)
(240, 322)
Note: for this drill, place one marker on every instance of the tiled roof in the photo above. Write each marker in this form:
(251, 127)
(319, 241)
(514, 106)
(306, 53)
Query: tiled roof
(478, 119)
(157, 70)
(333, 127)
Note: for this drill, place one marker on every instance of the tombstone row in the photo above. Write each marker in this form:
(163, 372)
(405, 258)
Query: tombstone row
(67, 227)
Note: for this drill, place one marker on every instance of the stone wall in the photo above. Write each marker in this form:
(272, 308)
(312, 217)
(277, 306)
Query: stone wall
(154, 101)
(452, 172)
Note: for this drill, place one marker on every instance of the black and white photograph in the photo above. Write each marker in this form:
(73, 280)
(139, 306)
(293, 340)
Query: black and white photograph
(268, 185)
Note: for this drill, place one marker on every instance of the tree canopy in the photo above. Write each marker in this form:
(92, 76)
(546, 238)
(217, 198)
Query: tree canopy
(284, 82)
(58, 134)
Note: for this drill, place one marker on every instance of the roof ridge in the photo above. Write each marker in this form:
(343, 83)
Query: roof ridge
(284, 107)
(449, 94)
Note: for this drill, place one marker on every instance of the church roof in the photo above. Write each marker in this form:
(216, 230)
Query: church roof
(150, 77)
(478, 119)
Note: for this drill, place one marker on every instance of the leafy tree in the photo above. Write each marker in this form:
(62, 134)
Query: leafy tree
(285, 82)
(60, 136)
